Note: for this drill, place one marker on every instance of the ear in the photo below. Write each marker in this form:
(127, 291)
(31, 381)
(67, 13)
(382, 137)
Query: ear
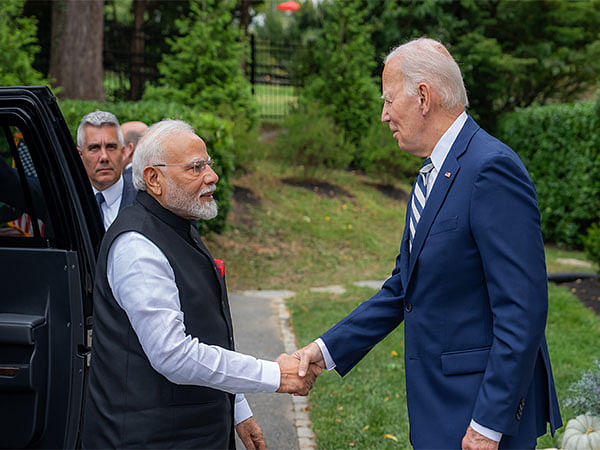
(80, 153)
(424, 95)
(153, 179)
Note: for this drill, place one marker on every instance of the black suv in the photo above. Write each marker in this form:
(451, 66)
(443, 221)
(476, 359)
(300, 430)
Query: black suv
(50, 230)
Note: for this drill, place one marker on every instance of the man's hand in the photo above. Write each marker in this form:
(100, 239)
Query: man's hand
(251, 434)
(291, 382)
(307, 355)
(475, 441)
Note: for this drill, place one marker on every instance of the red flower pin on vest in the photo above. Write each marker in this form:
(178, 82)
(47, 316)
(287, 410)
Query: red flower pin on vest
(221, 266)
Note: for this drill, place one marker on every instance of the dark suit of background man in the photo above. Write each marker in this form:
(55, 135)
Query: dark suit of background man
(164, 371)
(100, 144)
(472, 290)
(132, 132)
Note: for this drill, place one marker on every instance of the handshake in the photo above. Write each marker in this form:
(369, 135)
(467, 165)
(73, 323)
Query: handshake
(300, 370)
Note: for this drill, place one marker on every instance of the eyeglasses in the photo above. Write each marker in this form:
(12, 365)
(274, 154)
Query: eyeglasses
(196, 166)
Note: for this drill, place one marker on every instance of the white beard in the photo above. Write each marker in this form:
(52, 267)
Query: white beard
(180, 201)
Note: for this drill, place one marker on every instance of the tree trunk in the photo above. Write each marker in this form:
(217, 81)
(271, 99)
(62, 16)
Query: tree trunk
(136, 75)
(76, 53)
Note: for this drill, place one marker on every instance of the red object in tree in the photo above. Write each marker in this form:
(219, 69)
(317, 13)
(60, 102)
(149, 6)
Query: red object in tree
(288, 6)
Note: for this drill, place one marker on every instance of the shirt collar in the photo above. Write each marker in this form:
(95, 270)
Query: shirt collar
(442, 148)
(112, 193)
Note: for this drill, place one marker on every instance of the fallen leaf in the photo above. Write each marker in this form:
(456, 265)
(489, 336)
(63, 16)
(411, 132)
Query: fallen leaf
(338, 420)
(390, 436)
(393, 353)
(350, 226)
(351, 444)
(327, 218)
(366, 427)
(339, 408)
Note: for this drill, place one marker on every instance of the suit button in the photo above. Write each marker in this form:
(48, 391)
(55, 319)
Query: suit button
(408, 307)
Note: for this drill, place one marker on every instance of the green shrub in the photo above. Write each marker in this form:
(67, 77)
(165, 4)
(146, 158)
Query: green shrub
(585, 393)
(216, 132)
(203, 68)
(559, 145)
(383, 158)
(591, 243)
(311, 139)
(18, 46)
(335, 63)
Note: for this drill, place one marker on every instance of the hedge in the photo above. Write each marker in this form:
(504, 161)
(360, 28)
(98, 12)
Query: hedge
(216, 132)
(559, 145)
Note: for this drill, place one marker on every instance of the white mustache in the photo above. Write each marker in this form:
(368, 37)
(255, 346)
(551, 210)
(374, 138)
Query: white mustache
(208, 190)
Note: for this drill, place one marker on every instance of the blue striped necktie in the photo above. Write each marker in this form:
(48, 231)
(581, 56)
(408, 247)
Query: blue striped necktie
(100, 199)
(418, 199)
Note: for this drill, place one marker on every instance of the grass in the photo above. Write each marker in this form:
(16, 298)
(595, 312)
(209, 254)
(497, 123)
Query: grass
(275, 101)
(294, 239)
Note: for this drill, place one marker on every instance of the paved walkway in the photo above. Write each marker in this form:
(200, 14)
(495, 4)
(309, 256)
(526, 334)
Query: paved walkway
(262, 329)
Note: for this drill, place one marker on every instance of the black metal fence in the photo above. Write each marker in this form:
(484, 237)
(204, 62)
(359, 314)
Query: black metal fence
(269, 71)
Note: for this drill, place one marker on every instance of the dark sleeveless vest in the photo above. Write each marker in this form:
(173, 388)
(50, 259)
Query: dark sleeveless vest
(129, 404)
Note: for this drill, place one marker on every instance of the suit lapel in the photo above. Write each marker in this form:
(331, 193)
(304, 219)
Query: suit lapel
(438, 194)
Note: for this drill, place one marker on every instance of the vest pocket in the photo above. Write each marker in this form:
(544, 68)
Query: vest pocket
(465, 361)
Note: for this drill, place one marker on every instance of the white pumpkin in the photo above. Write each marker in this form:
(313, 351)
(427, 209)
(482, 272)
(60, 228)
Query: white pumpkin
(582, 433)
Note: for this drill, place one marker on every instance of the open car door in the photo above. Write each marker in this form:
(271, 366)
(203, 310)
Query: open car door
(50, 230)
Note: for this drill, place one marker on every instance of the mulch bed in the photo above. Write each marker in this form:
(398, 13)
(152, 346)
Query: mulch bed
(389, 190)
(587, 291)
(243, 200)
(319, 187)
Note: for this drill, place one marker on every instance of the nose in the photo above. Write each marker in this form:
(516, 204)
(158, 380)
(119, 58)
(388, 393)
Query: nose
(385, 117)
(211, 176)
(103, 154)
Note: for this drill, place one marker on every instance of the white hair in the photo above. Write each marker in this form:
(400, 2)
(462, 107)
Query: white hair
(150, 148)
(427, 60)
(97, 119)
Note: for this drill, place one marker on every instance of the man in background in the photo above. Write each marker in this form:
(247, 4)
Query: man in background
(132, 132)
(100, 145)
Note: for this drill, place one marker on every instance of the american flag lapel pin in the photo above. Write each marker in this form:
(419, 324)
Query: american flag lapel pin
(447, 174)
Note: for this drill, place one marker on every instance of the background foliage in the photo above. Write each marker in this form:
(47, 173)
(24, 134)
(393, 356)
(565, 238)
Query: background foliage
(203, 68)
(216, 133)
(512, 54)
(559, 145)
(18, 46)
(313, 141)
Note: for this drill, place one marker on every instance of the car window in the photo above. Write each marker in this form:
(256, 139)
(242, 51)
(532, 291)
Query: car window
(23, 211)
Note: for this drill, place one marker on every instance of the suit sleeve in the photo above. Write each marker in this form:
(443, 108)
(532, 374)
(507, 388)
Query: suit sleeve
(351, 338)
(505, 223)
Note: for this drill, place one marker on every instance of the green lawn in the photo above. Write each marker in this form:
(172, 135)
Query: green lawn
(275, 100)
(294, 239)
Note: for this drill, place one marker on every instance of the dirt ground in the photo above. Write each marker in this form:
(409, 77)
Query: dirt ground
(587, 291)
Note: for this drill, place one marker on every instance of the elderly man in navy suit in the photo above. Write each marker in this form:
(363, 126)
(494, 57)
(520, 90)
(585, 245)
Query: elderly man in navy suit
(470, 280)
(100, 144)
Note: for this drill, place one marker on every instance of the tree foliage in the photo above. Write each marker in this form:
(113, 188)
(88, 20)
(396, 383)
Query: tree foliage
(18, 46)
(512, 54)
(335, 61)
(203, 67)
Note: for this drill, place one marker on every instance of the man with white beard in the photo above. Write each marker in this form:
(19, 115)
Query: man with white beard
(164, 372)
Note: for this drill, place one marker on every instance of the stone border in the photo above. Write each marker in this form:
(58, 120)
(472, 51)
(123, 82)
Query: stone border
(306, 437)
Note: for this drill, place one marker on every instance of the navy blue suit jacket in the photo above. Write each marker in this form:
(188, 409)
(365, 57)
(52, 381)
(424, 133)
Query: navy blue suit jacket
(473, 298)
(128, 193)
